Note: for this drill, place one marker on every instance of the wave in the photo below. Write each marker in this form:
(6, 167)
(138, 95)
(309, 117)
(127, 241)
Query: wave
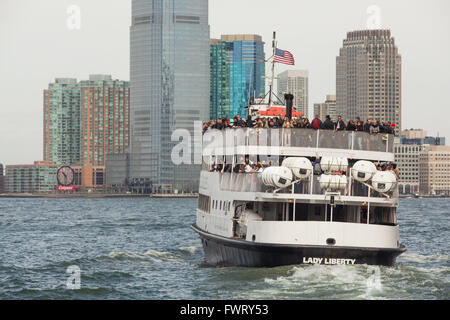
(190, 250)
(151, 255)
(415, 257)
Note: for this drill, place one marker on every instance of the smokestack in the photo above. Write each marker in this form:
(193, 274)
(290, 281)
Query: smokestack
(289, 98)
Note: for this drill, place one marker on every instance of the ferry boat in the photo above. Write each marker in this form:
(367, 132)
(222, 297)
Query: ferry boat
(317, 197)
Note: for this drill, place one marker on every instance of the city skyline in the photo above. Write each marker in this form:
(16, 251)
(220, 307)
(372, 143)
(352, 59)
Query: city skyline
(61, 52)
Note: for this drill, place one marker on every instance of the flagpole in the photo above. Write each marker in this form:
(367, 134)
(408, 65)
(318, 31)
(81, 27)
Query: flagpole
(274, 46)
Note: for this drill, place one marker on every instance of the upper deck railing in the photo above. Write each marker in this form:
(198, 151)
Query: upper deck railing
(298, 138)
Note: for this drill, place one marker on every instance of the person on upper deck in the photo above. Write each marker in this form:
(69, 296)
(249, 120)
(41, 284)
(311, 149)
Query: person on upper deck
(340, 124)
(305, 123)
(328, 124)
(374, 127)
(359, 124)
(351, 125)
(367, 126)
(316, 123)
(239, 122)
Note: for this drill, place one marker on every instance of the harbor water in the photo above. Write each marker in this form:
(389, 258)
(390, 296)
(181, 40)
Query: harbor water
(144, 249)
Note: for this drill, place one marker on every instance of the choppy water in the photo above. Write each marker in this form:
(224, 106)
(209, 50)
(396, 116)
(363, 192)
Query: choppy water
(144, 249)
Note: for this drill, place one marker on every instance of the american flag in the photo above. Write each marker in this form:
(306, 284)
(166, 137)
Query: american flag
(283, 56)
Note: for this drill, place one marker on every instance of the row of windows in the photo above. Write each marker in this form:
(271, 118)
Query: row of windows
(221, 205)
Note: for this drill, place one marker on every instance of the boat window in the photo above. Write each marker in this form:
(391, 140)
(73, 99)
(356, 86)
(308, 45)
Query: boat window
(204, 203)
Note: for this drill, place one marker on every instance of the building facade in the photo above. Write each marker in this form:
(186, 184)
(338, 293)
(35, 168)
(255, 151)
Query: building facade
(237, 70)
(326, 108)
(62, 122)
(368, 77)
(220, 79)
(296, 83)
(407, 160)
(39, 177)
(419, 136)
(408, 148)
(169, 75)
(2, 179)
(83, 122)
(117, 171)
(104, 125)
(434, 171)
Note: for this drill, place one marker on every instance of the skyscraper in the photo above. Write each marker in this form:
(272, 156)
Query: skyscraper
(237, 71)
(104, 124)
(296, 83)
(368, 77)
(169, 86)
(62, 122)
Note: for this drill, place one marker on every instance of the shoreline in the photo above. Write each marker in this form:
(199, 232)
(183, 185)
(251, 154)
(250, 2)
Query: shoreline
(99, 195)
(156, 195)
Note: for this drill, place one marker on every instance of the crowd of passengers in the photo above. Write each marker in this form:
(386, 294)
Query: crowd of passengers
(245, 165)
(370, 126)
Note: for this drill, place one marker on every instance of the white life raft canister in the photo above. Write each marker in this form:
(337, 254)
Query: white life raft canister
(301, 167)
(277, 177)
(384, 181)
(332, 164)
(363, 170)
(333, 182)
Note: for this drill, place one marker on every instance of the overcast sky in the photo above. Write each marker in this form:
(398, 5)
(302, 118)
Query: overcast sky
(37, 45)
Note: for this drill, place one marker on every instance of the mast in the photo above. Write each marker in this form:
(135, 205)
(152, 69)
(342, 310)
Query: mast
(274, 46)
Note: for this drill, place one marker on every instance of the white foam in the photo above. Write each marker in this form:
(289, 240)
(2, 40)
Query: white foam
(311, 279)
(153, 255)
(415, 257)
(191, 249)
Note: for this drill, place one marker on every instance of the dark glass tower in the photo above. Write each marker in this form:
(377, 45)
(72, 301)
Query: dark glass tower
(237, 73)
(169, 86)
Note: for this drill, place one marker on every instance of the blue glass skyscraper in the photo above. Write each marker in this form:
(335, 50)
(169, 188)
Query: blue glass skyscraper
(244, 73)
(169, 78)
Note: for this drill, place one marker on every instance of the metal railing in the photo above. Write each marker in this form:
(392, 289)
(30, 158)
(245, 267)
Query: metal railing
(299, 137)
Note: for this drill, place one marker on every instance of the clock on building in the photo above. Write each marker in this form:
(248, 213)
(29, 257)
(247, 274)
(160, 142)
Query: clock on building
(65, 176)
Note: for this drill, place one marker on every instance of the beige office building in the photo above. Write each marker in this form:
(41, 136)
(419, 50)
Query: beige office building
(296, 83)
(326, 108)
(368, 77)
(434, 170)
(407, 160)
